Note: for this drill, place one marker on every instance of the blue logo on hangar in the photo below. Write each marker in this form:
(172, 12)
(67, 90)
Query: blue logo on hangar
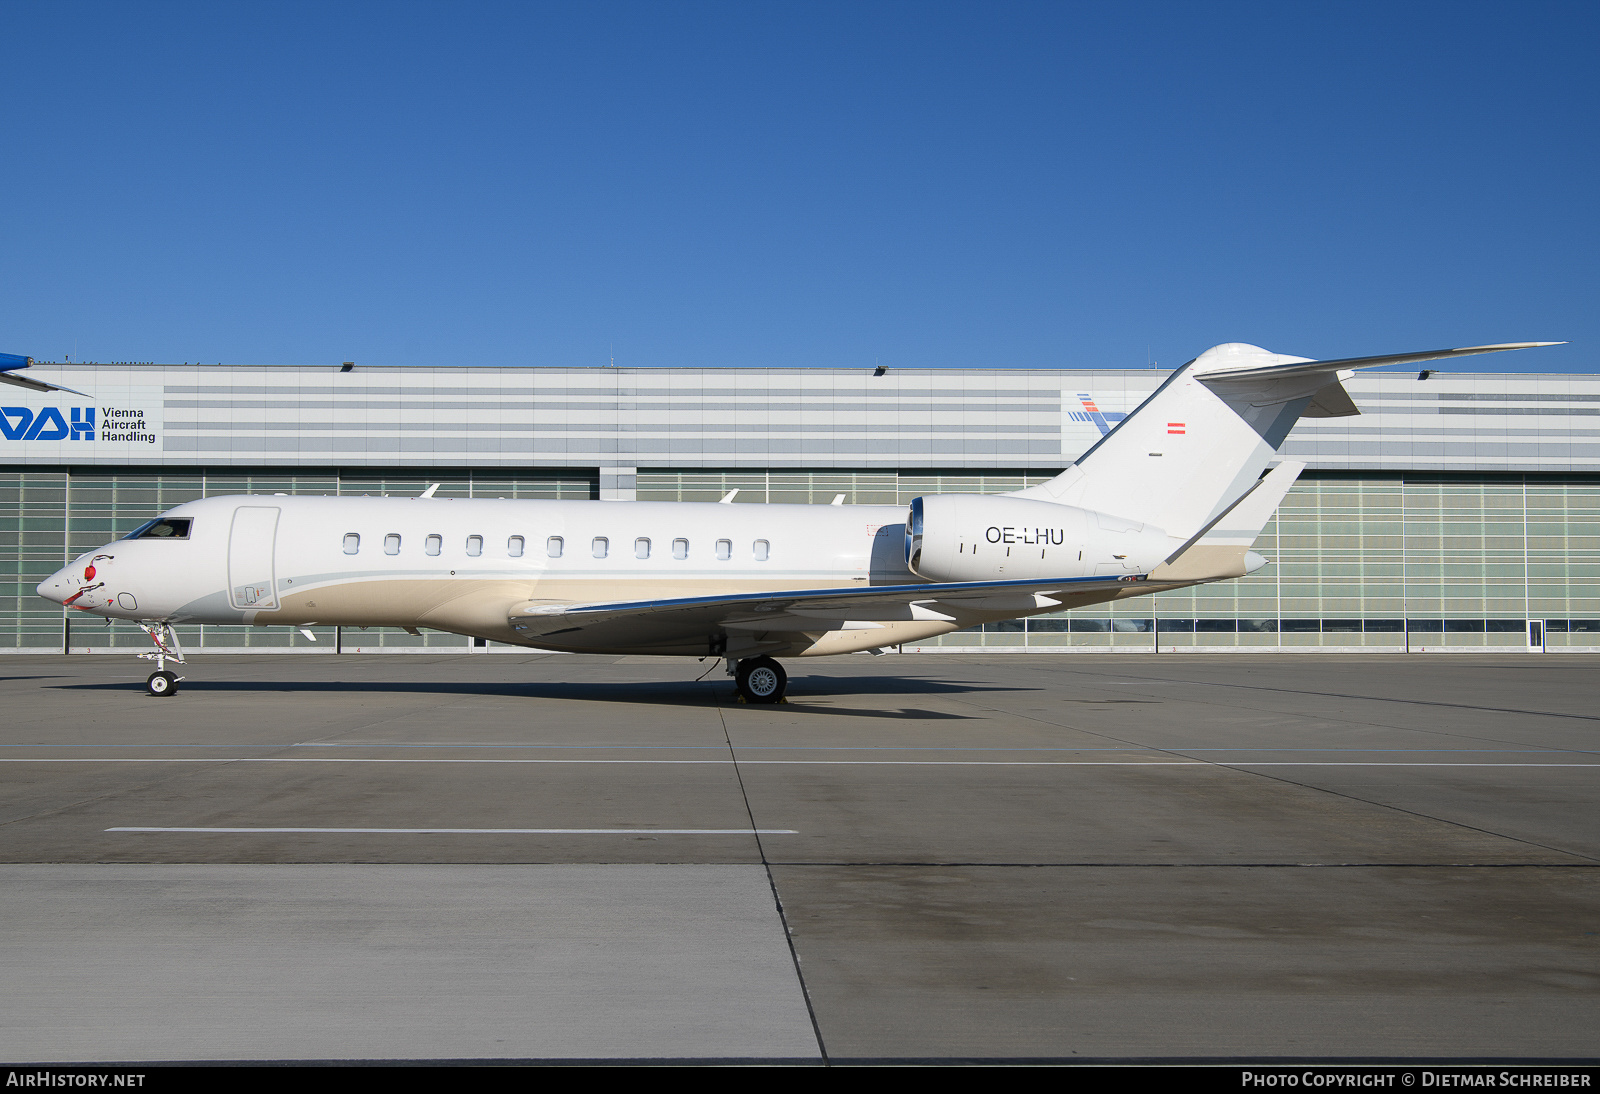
(20, 423)
(1103, 420)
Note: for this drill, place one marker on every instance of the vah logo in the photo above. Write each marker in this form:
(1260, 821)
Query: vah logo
(20, 423)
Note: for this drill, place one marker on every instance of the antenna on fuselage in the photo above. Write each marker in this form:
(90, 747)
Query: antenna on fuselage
(428, 493)
(727, 499)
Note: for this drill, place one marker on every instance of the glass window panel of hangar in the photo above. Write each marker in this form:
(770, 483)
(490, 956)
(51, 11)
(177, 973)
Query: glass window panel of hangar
(1469, 550)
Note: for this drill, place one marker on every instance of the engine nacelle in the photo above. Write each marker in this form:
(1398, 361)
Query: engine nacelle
(980, 537)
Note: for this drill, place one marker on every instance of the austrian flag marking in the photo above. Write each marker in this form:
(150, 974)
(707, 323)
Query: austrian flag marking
(1175, 427)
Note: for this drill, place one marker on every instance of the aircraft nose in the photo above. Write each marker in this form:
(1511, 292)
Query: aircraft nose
(55, 587)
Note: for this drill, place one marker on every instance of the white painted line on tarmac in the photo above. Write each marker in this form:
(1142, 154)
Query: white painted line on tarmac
(314, 760)
(1373, 763)
(220, 760)
(493, 831)
(1255, 750)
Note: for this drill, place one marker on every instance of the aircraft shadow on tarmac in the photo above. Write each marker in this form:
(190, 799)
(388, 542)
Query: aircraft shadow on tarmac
(697, 693)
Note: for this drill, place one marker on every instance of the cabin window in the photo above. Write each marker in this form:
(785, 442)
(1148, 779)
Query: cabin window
(552, 546)
(432, 545)
(352, 542)
(761, 547)
(724, 549)
(514, 546)
(601, 546)
(641, 548)
(391, 543)
(680, 548)
(474, 546)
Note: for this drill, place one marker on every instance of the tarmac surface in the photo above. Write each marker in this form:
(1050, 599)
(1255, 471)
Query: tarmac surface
(1024, 857)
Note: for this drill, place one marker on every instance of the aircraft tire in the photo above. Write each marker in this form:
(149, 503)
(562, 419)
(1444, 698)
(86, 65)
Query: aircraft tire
(162, 684)
(761, 680)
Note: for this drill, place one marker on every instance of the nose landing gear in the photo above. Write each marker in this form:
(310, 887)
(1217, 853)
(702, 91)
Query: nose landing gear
(759, 679)
(161, 682)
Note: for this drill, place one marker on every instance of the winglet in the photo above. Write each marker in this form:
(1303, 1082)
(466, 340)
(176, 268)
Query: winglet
(1222, 548)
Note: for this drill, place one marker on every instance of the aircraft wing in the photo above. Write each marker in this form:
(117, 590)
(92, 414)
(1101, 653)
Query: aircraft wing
(13, 362)
(642, 622)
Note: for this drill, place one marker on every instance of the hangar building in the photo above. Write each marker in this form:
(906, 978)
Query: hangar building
(1459, 512)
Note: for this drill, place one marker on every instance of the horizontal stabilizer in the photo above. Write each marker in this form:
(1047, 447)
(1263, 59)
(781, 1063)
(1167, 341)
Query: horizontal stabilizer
(1222, 550)
(1302, 367)
(1332, 401)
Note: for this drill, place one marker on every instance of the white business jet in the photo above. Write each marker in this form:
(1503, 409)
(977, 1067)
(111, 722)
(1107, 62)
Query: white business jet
(1173, 496)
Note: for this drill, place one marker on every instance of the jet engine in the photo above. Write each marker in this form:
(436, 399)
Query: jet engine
(978, 537)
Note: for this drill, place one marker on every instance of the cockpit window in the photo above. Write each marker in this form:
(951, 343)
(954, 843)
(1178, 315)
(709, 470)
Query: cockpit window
(161, 528)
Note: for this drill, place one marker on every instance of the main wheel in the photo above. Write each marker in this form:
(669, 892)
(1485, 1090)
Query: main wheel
(162, 683)
(761, 680)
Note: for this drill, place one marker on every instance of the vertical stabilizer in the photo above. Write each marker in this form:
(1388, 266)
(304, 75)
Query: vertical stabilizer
(1203, 438)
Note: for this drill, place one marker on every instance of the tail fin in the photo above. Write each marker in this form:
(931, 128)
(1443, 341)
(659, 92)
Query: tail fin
(1201, 441)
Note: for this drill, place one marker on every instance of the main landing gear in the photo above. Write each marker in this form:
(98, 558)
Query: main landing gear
(161, 682)
(760, 679)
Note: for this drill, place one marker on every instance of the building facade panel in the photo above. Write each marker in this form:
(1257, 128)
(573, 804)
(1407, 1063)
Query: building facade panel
(816, 418)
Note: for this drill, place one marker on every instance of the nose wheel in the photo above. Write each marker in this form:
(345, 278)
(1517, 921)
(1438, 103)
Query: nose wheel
(162, 683)
(761, 680)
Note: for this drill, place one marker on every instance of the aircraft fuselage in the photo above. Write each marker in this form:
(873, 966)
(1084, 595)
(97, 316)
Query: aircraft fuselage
(456, 564)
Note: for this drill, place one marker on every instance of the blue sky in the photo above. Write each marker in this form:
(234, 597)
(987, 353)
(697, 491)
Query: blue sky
(705, 184)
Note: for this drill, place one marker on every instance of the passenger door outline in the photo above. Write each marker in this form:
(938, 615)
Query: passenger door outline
(252, 540)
